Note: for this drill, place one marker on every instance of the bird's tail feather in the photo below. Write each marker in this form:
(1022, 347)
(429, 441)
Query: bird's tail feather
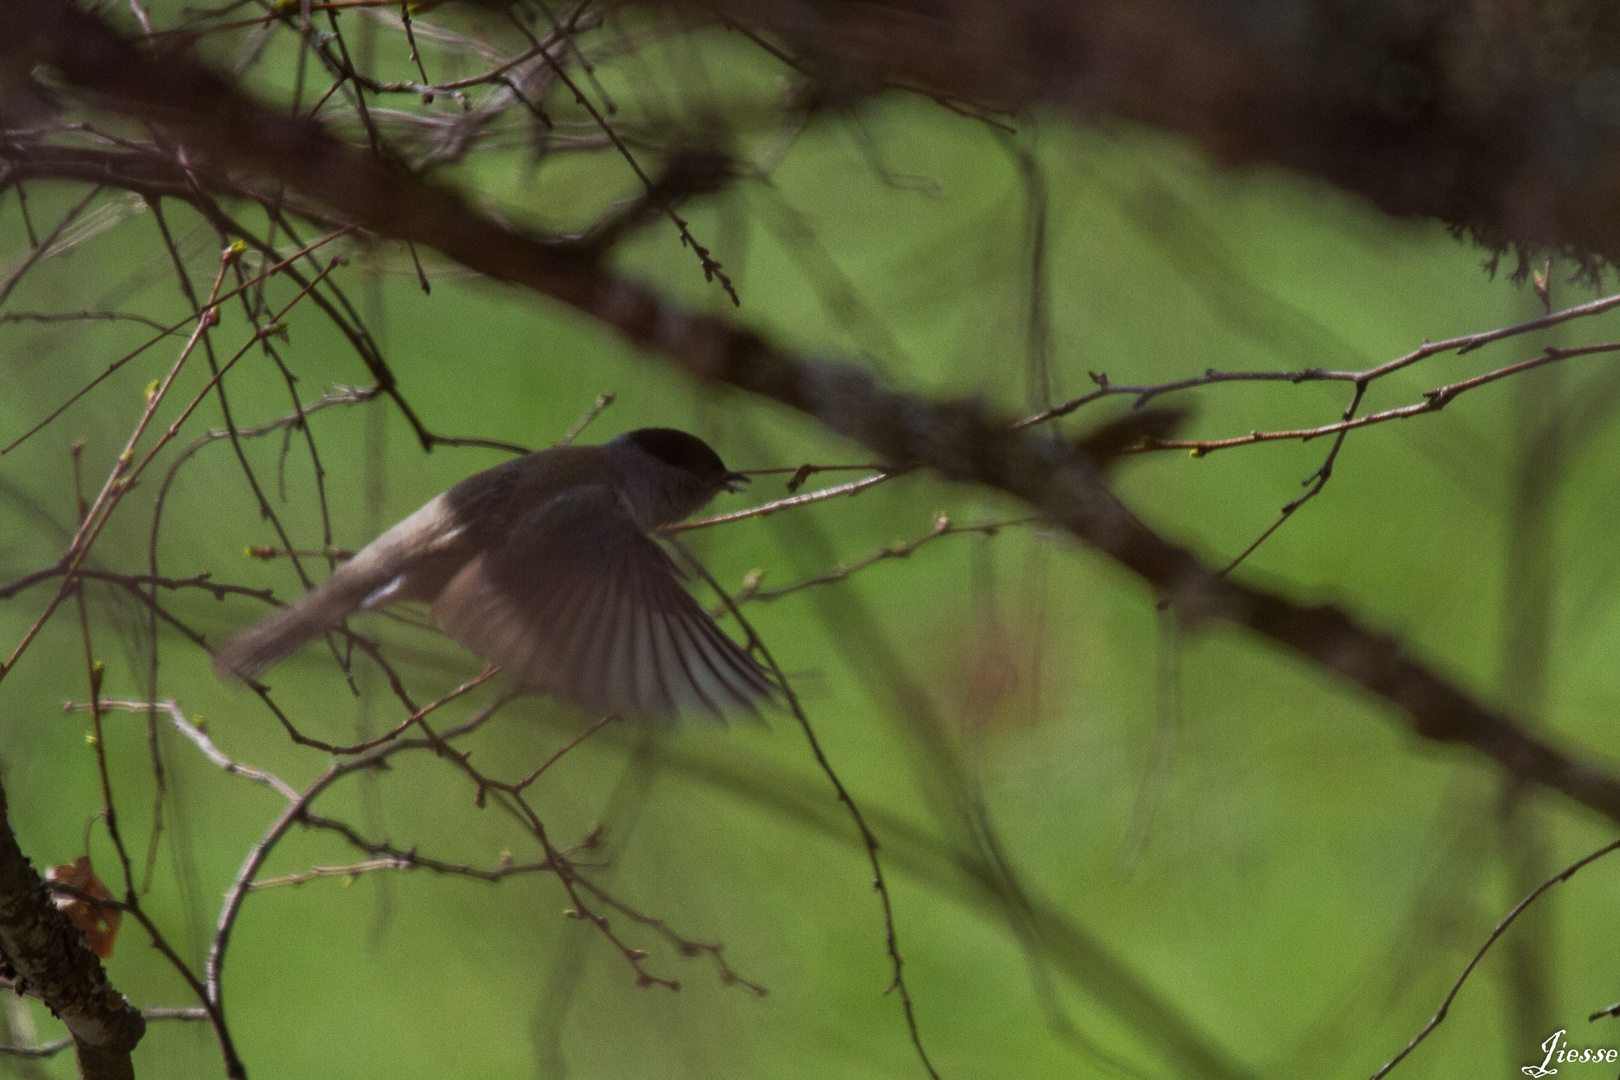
(278, 634)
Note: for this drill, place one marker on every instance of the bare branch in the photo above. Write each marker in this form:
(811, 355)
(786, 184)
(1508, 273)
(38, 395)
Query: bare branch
(899, 550)
(854, 487)
(45, 956)
(1459, 345)
(960, 440)
(1501, 927)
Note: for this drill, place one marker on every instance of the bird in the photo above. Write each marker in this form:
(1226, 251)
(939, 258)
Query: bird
(544, 566)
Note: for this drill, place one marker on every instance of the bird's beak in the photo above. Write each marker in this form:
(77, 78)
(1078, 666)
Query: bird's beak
(736, 481)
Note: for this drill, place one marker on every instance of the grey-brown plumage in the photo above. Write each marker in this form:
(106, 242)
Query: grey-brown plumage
(543, 565)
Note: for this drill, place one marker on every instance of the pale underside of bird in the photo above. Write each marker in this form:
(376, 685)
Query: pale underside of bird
(544, 566)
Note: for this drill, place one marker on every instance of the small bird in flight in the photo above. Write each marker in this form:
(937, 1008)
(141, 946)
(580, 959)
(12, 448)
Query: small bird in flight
(544, 566)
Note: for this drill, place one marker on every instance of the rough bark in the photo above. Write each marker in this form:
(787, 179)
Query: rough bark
(48, 959)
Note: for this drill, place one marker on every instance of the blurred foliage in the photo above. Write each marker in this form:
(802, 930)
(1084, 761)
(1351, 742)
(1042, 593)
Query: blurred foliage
(1278, 877)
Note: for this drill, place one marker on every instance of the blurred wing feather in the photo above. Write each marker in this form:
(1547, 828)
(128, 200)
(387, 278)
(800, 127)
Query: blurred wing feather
(582, 604)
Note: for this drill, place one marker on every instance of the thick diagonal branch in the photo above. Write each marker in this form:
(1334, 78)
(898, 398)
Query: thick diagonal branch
(48, 959)
(961, 440)
(1491, 117)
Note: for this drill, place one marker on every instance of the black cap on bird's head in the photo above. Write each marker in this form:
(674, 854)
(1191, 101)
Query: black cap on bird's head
(683, 451)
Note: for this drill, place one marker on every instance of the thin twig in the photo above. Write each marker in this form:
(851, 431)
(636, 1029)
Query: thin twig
(1460, 345)
(1507, 920)
(854, 487)
(602, 402)
(868, 838)
(899, 550)
(163, 333)
(1433, 401)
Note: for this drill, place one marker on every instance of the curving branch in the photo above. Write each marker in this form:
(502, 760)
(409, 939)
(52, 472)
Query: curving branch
(45, 956)
(962, 440)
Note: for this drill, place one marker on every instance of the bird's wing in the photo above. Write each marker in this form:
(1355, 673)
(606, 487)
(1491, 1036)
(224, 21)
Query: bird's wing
(582, 604)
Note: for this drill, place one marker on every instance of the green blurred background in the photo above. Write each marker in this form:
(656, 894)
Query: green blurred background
(1280, 883)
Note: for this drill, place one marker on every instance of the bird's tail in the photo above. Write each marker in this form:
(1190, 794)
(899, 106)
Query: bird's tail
(273, 637)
